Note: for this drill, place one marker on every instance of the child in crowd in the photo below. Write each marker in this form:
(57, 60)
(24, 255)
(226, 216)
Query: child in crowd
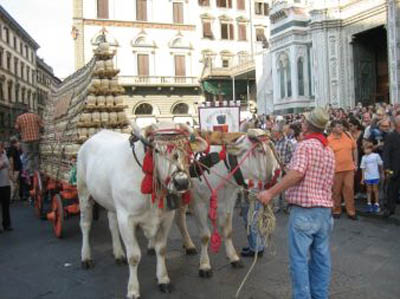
(372, 171)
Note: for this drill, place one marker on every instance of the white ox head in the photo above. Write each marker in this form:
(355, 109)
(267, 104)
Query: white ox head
(173, 146)
(261, 162)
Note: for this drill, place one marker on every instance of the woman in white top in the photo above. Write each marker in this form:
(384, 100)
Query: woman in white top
(5, 189)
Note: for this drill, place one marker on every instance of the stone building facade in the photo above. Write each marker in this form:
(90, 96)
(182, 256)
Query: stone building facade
(163, 47)
(19, 71)
(331, 52)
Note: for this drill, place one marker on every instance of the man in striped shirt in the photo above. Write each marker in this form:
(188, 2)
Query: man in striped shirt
(309, 182)
(29, 126)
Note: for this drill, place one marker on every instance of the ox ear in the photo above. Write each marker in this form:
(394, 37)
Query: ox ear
(199, 145)
(185, 128)
(135, 128)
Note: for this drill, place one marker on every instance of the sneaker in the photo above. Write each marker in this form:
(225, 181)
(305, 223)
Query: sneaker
(251, 253)
(376, 208)
(369, 208)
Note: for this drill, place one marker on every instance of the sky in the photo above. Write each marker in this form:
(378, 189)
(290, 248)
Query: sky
(49, 23)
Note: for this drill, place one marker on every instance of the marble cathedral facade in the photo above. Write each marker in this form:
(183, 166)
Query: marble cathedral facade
(330, 52)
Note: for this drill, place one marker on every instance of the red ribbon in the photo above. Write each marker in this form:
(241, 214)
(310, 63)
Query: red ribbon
(317, 136)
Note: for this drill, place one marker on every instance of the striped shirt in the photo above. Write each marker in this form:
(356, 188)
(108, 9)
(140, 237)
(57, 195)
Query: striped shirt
(29, 124)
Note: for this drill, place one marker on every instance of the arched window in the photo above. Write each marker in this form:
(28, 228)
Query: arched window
(282, 79)
(144, 109)
(300, 75)
(181, 108)
(288, 79)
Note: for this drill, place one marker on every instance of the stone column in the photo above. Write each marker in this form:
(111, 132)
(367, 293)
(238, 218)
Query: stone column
(393, 31)
(78, 34)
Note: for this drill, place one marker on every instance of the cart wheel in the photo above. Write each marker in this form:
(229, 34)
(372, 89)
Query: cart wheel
(58, 212)
(37, 194)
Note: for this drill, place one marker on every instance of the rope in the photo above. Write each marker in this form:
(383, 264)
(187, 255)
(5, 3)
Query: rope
(266, 223)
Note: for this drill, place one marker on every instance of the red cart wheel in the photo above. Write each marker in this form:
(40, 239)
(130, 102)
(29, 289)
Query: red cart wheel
(56, 216)
(37, 194)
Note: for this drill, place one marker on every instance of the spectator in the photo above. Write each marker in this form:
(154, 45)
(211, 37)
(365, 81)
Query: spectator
(15, 167)
(372, 172)
(391, 159)
(29, 126)
(5, 189)
(345, 150)
(356, 131)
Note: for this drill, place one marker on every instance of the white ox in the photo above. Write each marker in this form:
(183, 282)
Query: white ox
(261, 164)
(108, 174)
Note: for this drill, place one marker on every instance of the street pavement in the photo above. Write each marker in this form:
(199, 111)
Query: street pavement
(34, 264)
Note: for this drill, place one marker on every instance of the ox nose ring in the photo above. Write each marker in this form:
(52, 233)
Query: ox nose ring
(181, 181)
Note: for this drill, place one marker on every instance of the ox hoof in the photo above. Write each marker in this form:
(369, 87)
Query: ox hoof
(151, 251)
(191, 251)
(87, 264)
(237, 264)
(205, 273)
(121, 261)
(165, 288)
(133, 297)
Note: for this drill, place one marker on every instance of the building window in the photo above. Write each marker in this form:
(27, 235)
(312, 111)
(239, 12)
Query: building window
(9, 61)
(33, 77)
(207, 31)
(204, 2)
(241, 4)
(23, 99)
(225, 63)
(7, 34)
(242, 32)
(141, 10)
(22, 71)
(9, 91)
(17, 99)
(227, 31)
(180, 65)
(1, 91)
(1, 57)
(21, 48)
(261, 8)
(260, 35)
(288, 80)
(300, 76)
(26, 51)
(102, 9)
(178, 12)
(144, 109)
(15, 43)
(28, 74)
(281, 72)
(180, 108)
(224, 3)
(143, 65)
(15, 66)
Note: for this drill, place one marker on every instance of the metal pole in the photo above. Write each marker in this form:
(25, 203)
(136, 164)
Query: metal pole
(248, 92)
(233, 90)
(251, 30)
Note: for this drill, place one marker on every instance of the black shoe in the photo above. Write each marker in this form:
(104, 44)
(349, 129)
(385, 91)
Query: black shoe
(336, 216)
(8, 228)
(387, 213)
(353, 217)
(251, 253)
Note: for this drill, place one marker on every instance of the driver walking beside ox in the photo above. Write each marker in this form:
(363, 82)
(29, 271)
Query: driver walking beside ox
(309, 182)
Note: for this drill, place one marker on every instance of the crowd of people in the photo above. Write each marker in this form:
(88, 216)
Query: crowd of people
(19, 158)
(365, 141)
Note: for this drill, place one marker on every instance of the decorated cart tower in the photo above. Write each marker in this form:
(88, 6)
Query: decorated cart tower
(83, 104)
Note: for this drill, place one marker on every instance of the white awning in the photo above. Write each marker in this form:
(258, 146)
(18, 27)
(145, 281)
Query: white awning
(145, 121)
(183, 120)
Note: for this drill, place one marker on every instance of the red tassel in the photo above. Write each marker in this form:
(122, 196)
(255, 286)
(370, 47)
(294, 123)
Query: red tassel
(153, 197)
(161, 202)
(215, 241)
(250, 184)
(147, 184)
(222, 153)
(207, 151)
(260, 185)
(148, 166)
(186, 197)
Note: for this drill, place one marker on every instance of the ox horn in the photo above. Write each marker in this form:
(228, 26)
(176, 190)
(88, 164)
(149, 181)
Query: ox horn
(137, 132)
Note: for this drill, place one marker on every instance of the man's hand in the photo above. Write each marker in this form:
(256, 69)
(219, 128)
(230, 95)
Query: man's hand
(264, 197)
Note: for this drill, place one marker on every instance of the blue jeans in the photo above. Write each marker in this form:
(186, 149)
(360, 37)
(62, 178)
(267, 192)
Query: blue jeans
(253, 232)
(309, 252)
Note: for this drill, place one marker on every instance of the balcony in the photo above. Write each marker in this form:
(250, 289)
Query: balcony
(242, 68)
(158, 81)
